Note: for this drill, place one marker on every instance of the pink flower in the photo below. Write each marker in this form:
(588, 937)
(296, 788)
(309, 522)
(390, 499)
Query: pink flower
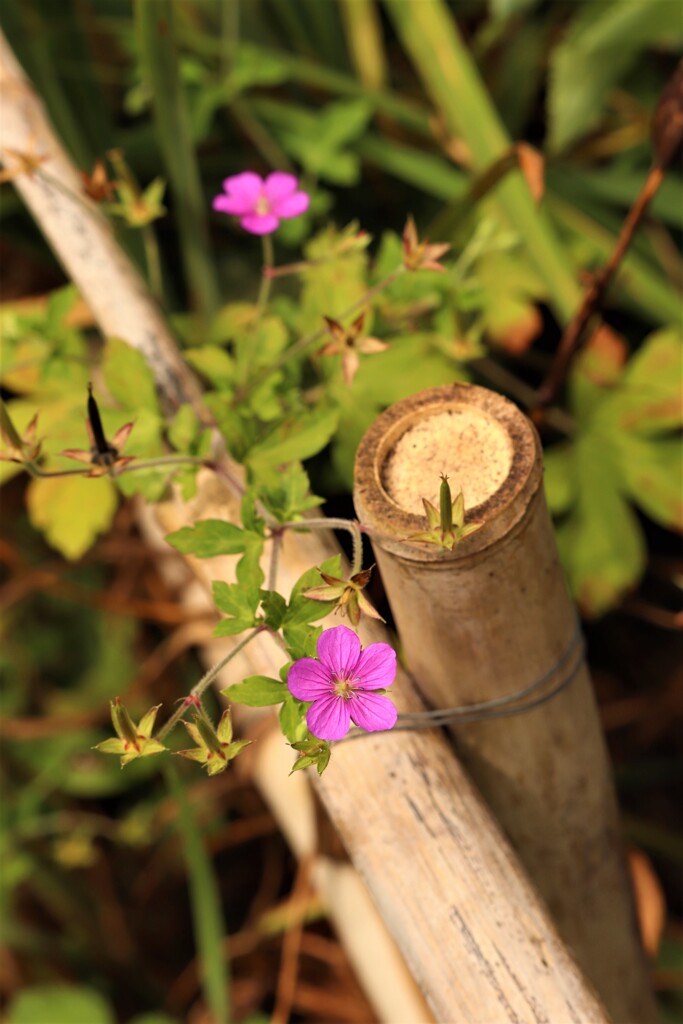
(261, 204)
(341, 681)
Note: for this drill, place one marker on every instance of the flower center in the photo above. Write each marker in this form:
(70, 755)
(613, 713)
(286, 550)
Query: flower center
(345, 688)
(262, 206)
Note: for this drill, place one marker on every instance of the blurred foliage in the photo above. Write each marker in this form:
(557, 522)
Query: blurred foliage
(384, 109)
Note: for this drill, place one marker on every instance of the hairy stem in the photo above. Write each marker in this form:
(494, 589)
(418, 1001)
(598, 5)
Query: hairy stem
(323, 523)
(205, 681)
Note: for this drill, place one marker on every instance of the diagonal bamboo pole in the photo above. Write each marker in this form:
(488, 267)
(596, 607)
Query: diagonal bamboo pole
(451, 894)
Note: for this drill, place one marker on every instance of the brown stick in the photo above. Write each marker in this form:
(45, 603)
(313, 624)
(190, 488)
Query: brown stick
(575, 332)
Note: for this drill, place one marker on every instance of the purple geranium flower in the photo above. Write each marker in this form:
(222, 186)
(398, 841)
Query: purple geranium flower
(341, 681)
(262, 203)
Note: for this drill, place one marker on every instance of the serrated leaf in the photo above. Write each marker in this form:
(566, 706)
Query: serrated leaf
(274, 607)
(231, 627)
(232, 599)
(71, 511)
(209, 538)
(257, 692)
(294, 440)
(129, 377)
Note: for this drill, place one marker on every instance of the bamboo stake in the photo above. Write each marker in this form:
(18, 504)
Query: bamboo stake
(483, 622)
(449, 888)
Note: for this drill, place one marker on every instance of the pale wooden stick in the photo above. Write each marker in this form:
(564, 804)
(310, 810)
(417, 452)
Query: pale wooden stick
(449, 890)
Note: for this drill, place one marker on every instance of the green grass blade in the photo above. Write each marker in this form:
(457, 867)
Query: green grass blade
(159, 58)
(364, 39)
(430, 36)
(209, 929)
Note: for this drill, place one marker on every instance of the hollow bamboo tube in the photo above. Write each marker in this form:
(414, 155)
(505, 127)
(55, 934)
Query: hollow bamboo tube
(486, 620)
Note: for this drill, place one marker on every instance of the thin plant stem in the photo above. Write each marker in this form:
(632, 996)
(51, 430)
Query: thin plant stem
(153, 261)
(274, 559)
(323, 523)
(266, 278)
(206, 680)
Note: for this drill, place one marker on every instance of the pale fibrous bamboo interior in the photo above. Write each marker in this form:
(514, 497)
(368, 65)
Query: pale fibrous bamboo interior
(463, 442)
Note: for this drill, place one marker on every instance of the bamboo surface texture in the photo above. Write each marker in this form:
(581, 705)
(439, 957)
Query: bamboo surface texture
(484, 621)
(450, 891)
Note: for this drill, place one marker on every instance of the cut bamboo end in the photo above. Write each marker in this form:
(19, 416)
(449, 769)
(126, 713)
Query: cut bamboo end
(480, 440)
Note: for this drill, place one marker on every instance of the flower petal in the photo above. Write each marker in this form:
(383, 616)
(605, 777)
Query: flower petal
(329, 718)
(233, 205)
(309, 680)
(292, 206)
(373, 712)
(247, 187)
(376, 667)
(278, 186)
(339, 650)
(260, 223)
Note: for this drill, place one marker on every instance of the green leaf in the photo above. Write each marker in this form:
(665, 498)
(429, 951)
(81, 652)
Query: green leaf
(59, 1004)
(253, 65)
(128, 377)
(234, 626)
(292, 719)
(301, 639)
(209, 538)
(71, 511)
(232, 599)
(274, 607)
(257, 692)
(184, 428)
(212, 362)
(601, 542)
(250, 575)
(60, 302)
(294, 440)
(290, 494)
(599, 48)
(304, 610)
(648, 399)
(653, 476)
(560, 478)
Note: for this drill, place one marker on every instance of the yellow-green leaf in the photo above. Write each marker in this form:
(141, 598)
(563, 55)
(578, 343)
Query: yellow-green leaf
(71, 511)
